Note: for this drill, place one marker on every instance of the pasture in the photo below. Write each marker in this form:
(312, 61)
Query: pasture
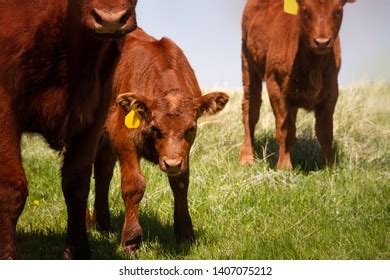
(244, 212)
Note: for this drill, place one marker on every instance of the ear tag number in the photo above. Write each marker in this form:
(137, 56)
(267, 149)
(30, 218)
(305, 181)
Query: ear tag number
(291, 7)
(133, 119)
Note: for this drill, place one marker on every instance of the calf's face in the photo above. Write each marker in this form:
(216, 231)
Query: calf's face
(109, 18)
(171, 123)
(320, 23)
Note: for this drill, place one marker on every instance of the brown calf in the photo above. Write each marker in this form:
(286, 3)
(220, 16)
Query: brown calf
(56, 66)
(156, 80)
(298, 56)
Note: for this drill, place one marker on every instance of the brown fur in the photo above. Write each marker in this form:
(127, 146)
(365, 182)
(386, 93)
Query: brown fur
(299, 59)
(52, 82)
(164, 90)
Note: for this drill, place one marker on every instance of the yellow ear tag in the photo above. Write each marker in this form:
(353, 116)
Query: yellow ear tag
(291, 7)
(133, 119)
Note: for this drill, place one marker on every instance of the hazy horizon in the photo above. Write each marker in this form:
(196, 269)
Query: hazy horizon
(209, 32)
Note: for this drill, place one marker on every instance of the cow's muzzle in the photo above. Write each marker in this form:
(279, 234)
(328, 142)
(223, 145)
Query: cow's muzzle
(113, 24)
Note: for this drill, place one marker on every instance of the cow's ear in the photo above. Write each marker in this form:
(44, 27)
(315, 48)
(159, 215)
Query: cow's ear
(212, 103)
(131, 101)
(350, 1)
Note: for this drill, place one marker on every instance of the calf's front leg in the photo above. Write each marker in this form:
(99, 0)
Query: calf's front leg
(182, 220)
(133, 189)
(251, 103)
(324, 130)
(285, 118)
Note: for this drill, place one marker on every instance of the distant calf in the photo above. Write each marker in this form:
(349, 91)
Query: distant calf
(159, 88)
(299, 58)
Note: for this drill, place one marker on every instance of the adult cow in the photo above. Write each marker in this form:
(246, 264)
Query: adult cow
(56, 65)
(299, 58)
(158, 85)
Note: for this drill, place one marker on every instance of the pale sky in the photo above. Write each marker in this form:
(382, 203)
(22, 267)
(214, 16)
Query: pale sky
(209, 32)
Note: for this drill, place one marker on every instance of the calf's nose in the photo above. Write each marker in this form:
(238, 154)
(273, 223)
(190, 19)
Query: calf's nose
(110, 22)
(322, 43)
(173, 165)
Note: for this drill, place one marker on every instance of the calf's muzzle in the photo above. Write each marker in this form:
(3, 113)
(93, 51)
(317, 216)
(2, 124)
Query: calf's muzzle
(172, 165)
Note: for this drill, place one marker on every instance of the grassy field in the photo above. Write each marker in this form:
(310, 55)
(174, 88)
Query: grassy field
(245, 213)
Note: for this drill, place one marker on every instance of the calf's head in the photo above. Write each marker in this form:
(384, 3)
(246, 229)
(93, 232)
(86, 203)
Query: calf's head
(171, 123)
(320, 22)
(108, 18)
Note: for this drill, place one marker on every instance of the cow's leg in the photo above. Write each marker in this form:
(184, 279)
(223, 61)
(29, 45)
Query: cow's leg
(76, 176)
(324, 127)
(133, 188)
(182, 220)
(285, 117)
(13, 183)
(251, 103)
(103, 171)
(75, 186)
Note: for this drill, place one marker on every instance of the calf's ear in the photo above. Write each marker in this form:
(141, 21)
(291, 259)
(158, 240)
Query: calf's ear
(212, 103)
(131, 101)
(350, 1)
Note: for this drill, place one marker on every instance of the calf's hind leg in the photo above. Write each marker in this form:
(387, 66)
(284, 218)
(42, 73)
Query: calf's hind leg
(103, 171)
(182, 220)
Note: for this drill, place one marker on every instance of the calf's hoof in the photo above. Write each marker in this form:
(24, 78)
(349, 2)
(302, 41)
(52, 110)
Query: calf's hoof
(77, 253)
(184, 234)
(246, 157)
(329, 162)
(330, 166)
(284, 165)
(131, 240)
(103, 226)
(102, 222)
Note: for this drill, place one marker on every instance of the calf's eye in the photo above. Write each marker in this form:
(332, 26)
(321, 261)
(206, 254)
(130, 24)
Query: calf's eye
(339, 12)
(305, 13)
(157, 132)
(190, 133)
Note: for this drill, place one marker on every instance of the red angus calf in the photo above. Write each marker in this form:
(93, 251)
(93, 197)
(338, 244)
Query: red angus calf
(299, 58)
(156, 80)
(56, 65)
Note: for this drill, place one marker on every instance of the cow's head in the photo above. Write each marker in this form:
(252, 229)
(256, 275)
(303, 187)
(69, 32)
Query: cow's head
(109, 18)
(320, 22)
(171, 123)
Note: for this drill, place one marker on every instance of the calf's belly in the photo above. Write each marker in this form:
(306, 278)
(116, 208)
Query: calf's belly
(307, 99)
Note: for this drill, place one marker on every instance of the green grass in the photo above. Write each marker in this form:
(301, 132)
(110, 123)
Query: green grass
(244, 213)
